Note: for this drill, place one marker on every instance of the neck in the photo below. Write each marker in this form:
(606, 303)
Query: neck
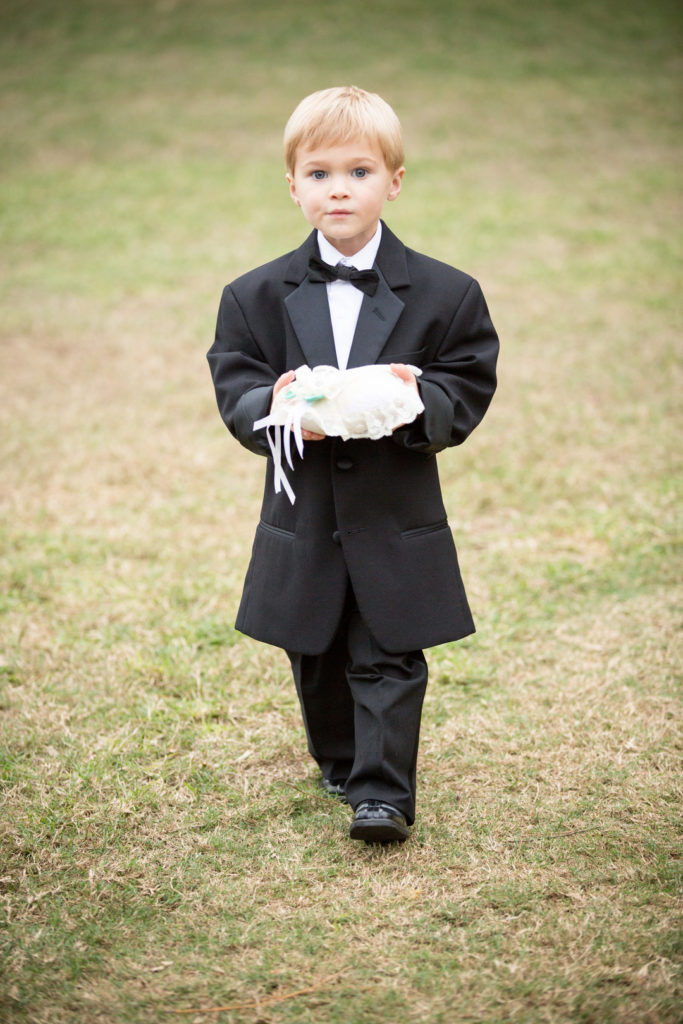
(348, 247)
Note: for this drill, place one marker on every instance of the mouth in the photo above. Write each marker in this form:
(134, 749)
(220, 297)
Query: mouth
(339, 213)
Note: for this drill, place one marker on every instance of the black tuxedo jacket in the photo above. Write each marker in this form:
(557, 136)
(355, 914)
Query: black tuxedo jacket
(367, 510)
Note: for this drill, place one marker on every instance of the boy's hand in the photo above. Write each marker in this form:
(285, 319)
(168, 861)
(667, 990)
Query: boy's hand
(282, 382)
(402, 371)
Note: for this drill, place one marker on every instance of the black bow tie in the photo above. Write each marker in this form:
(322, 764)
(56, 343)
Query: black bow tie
(320, 272)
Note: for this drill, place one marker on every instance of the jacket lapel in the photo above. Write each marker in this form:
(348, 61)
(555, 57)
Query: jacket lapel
(308, 308)
(379, 313)
(309, 311)
(376, 320)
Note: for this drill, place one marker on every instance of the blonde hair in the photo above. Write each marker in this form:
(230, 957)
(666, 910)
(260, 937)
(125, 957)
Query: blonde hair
(335, 116)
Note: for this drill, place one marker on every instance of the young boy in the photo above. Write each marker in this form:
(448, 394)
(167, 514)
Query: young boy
(360, 574)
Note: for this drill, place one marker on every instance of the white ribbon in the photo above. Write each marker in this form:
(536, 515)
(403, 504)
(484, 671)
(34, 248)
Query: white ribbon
(280, 438)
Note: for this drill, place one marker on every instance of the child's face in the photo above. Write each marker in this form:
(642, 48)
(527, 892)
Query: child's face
(342, 189)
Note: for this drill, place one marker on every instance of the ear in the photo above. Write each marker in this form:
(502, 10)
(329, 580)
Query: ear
(292, 189)
(395, 187)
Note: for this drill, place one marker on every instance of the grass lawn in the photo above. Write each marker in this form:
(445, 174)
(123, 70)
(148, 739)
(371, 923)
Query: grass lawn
(164, 850)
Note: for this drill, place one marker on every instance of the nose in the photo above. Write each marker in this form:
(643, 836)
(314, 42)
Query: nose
(339, 187)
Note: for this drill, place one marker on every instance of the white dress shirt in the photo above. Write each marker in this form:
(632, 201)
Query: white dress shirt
(343, 297)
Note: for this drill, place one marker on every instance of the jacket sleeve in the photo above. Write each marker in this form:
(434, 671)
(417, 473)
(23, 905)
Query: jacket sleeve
(242, 376)
(458, 380)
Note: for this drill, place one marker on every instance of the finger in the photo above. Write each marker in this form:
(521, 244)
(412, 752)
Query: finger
(283, 380)
(402, 371)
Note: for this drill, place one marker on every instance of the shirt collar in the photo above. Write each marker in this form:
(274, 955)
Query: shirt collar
(362, 260)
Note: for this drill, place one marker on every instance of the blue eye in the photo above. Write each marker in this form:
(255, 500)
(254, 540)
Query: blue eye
(319, 175)
(359, 172)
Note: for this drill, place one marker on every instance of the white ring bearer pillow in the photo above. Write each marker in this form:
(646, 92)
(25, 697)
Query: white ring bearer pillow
(366, 401)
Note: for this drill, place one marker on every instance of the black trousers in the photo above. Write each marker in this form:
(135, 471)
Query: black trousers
(361, 708)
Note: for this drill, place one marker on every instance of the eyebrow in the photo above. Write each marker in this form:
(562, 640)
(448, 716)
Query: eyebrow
(355, 161)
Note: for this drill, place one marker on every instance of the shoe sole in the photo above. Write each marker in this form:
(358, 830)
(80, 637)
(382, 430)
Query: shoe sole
(379, 831)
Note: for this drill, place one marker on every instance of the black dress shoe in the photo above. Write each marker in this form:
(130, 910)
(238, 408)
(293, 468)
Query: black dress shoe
(335, 789)
(378, 822)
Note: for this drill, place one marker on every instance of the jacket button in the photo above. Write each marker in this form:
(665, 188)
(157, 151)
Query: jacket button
(344, 463)
(336, 537)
